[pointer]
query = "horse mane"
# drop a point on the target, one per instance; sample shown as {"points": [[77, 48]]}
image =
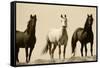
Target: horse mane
{"points": [[28, 27], [86, 28]]}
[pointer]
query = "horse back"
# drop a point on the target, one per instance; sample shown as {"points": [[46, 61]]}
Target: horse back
{"points": [[54, 35], [84, 36], [58, 35], [77, 34]]}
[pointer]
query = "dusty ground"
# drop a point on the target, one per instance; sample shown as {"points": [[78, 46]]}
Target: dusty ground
{"points": [[72, 59]]}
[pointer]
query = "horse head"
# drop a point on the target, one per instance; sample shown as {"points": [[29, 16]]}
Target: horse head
{"points": [[64, 20], [31, 24], [89, 22]]}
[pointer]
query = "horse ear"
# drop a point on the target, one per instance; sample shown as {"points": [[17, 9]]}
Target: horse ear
{"points": [[35, 15], [91, 15], [65, 15], [61, 16], [31, 16], [88, 15]]}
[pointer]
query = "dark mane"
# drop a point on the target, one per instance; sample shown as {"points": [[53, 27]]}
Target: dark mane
{"points": [[88, 26], [26, 39], [31, 30], [84, 35]]}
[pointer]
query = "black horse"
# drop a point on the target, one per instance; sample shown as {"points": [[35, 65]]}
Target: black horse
{"points": [[26, 39], [84, 35]]}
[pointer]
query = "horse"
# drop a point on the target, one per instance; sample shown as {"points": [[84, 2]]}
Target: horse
{"points": [[84, 36], [57, 37], [26, 39]]}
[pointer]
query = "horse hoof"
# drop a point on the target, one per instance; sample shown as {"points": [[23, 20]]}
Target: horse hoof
{"points": [[73, 54], [52, 60], [63, 59], [27, 61], [17, 61]]}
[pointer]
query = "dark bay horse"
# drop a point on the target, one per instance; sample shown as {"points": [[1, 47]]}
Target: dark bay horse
{"points": [[26, 39], [57, 37], [84, 35]]}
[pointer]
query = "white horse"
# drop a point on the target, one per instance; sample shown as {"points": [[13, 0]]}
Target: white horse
{"points": [[57, 37]]}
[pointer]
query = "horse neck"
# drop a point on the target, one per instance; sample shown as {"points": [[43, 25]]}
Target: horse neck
{"points": [[31, 33], [63, 31], [88, 29]]}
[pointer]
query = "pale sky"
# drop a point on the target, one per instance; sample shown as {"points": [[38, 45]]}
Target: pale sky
{"points": [[48, 17]]}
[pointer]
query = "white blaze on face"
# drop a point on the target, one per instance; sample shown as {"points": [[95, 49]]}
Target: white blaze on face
{"points": [[64, 21]]}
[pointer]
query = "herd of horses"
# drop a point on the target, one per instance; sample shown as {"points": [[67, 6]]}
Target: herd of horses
{"points": [[55, 37]]}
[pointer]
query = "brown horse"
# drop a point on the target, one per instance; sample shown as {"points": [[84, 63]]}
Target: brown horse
{"points": [[26, 39], [84, 35]]}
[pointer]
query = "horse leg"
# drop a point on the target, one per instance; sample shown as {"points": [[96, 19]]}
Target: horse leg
{"points": [[31, 49], [82, 50], [17, 51], [50, 50], [64, 51], [85, 50], [54, 47], [91, 48], [26, 49], [59, 51]]}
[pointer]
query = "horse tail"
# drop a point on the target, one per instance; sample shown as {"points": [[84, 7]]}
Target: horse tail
{"points": [[45, 50], [73, 41]]}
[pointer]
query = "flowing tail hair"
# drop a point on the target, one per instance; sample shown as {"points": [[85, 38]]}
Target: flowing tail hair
{"points": [[45, 50], [73, 42]]}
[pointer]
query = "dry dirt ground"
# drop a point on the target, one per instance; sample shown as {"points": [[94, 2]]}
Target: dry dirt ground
{"points": [[72, 59]]}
